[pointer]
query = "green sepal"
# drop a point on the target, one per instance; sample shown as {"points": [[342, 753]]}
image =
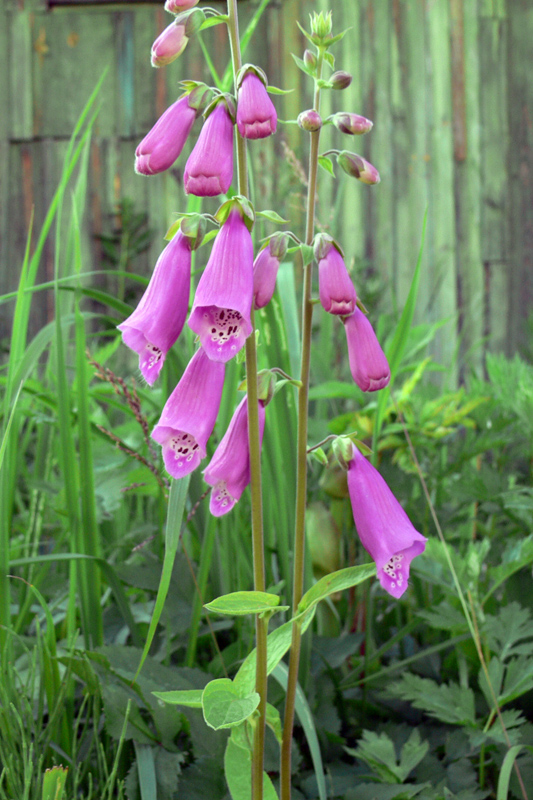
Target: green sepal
{"points": [[277, 90], [192, 698], [246, 209], [223, 705], [238, 604], [319, 455]]}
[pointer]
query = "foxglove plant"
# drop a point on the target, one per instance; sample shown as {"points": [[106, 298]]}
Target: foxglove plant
{"points": [[230, 289]]}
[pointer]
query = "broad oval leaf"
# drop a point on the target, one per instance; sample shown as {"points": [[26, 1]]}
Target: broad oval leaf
{"points": [[223, 705], [181, 697], [335, 582]]}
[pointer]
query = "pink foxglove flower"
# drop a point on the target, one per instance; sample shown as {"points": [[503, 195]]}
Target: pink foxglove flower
{"points": [[228, 471], [335, 287], [176, 6], [160, 316], [163, 144], [209, 168], [384, 528], [189, 415], [256, 115], [220, 313], [368, 363], [169, 45], [266, 267]]}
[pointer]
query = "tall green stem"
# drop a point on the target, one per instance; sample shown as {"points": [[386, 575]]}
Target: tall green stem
{"points": [[301, 459], [255, 463]]}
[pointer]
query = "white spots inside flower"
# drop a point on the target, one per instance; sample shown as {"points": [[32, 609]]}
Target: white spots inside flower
{"points": [[224, 324], [393, 568], [154, 355], [222, 495], [184, 446]]}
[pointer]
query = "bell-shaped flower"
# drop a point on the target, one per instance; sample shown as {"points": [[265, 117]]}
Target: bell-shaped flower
{"points": [[220, 314], [160, 316], [335, 287], [163, 144], [256, 114], [368, 363], [169, 44], [189, 415], [228, 471], [209, 168], [384, 528], [266, 267]]}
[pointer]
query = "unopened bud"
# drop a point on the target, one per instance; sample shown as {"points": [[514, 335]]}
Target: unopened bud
{"points": [[309, 59], [321, 24], [340, 80], [322, 245], [310, 120], [176, 6], [266, 385], [279, 243], [343, 451], [352, 123], [358, 167], [193, 20]]}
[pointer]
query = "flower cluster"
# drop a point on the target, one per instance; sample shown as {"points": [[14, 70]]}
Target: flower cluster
{"points": [[233, 284]]}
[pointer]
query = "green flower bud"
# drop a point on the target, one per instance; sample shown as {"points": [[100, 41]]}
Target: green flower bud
{"points": [[340, 80], [310, 120]]}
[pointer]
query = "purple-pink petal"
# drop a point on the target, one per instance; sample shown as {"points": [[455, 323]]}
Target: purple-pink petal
{"points": [[256, 114], [163, 144], [228, 471], [158, 320], [384, 528], [209, 168], [220, 314], [265, 273], [368, 363], [335, 287], [169, 45], [189, 415]]}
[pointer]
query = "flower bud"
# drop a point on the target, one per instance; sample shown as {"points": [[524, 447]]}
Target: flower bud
{"points": [[309, 59], [192, 20], [343, 451], [266, 386], [340, 80], [169, 45], [358, 167], [324, 539], [266, 267], [176, 6], [321, 24], [352, 123], [310, 120]]}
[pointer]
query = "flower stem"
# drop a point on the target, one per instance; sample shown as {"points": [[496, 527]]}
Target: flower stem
{"points": [[255, 462], [301, 458]]}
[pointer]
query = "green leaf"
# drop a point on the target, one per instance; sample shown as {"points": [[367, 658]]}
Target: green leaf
{"points": [[326, 164], [192, 698], [210, 22], [301, 65], [238, 770], [223, 705], [272, 216], [240, 603], [273, 720], [507, 767], [278, 642], [335, 582], [277, 90], [448, 702], [54, 782], [307, 253], [146, 771], [176, 507]]}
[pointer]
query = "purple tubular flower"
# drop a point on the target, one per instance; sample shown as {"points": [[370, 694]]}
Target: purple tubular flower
{"points": [[266, 268], [368, 363], [176, 6], [256, 115], [189, 415], [160, 316], [169, 45], [220, 314], [335, 288], [209, 168], [163, 144], [228, 471], [384, 528]]}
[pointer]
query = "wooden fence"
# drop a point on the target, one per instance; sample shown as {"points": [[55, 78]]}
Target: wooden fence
{"points": [[447, 83]]}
